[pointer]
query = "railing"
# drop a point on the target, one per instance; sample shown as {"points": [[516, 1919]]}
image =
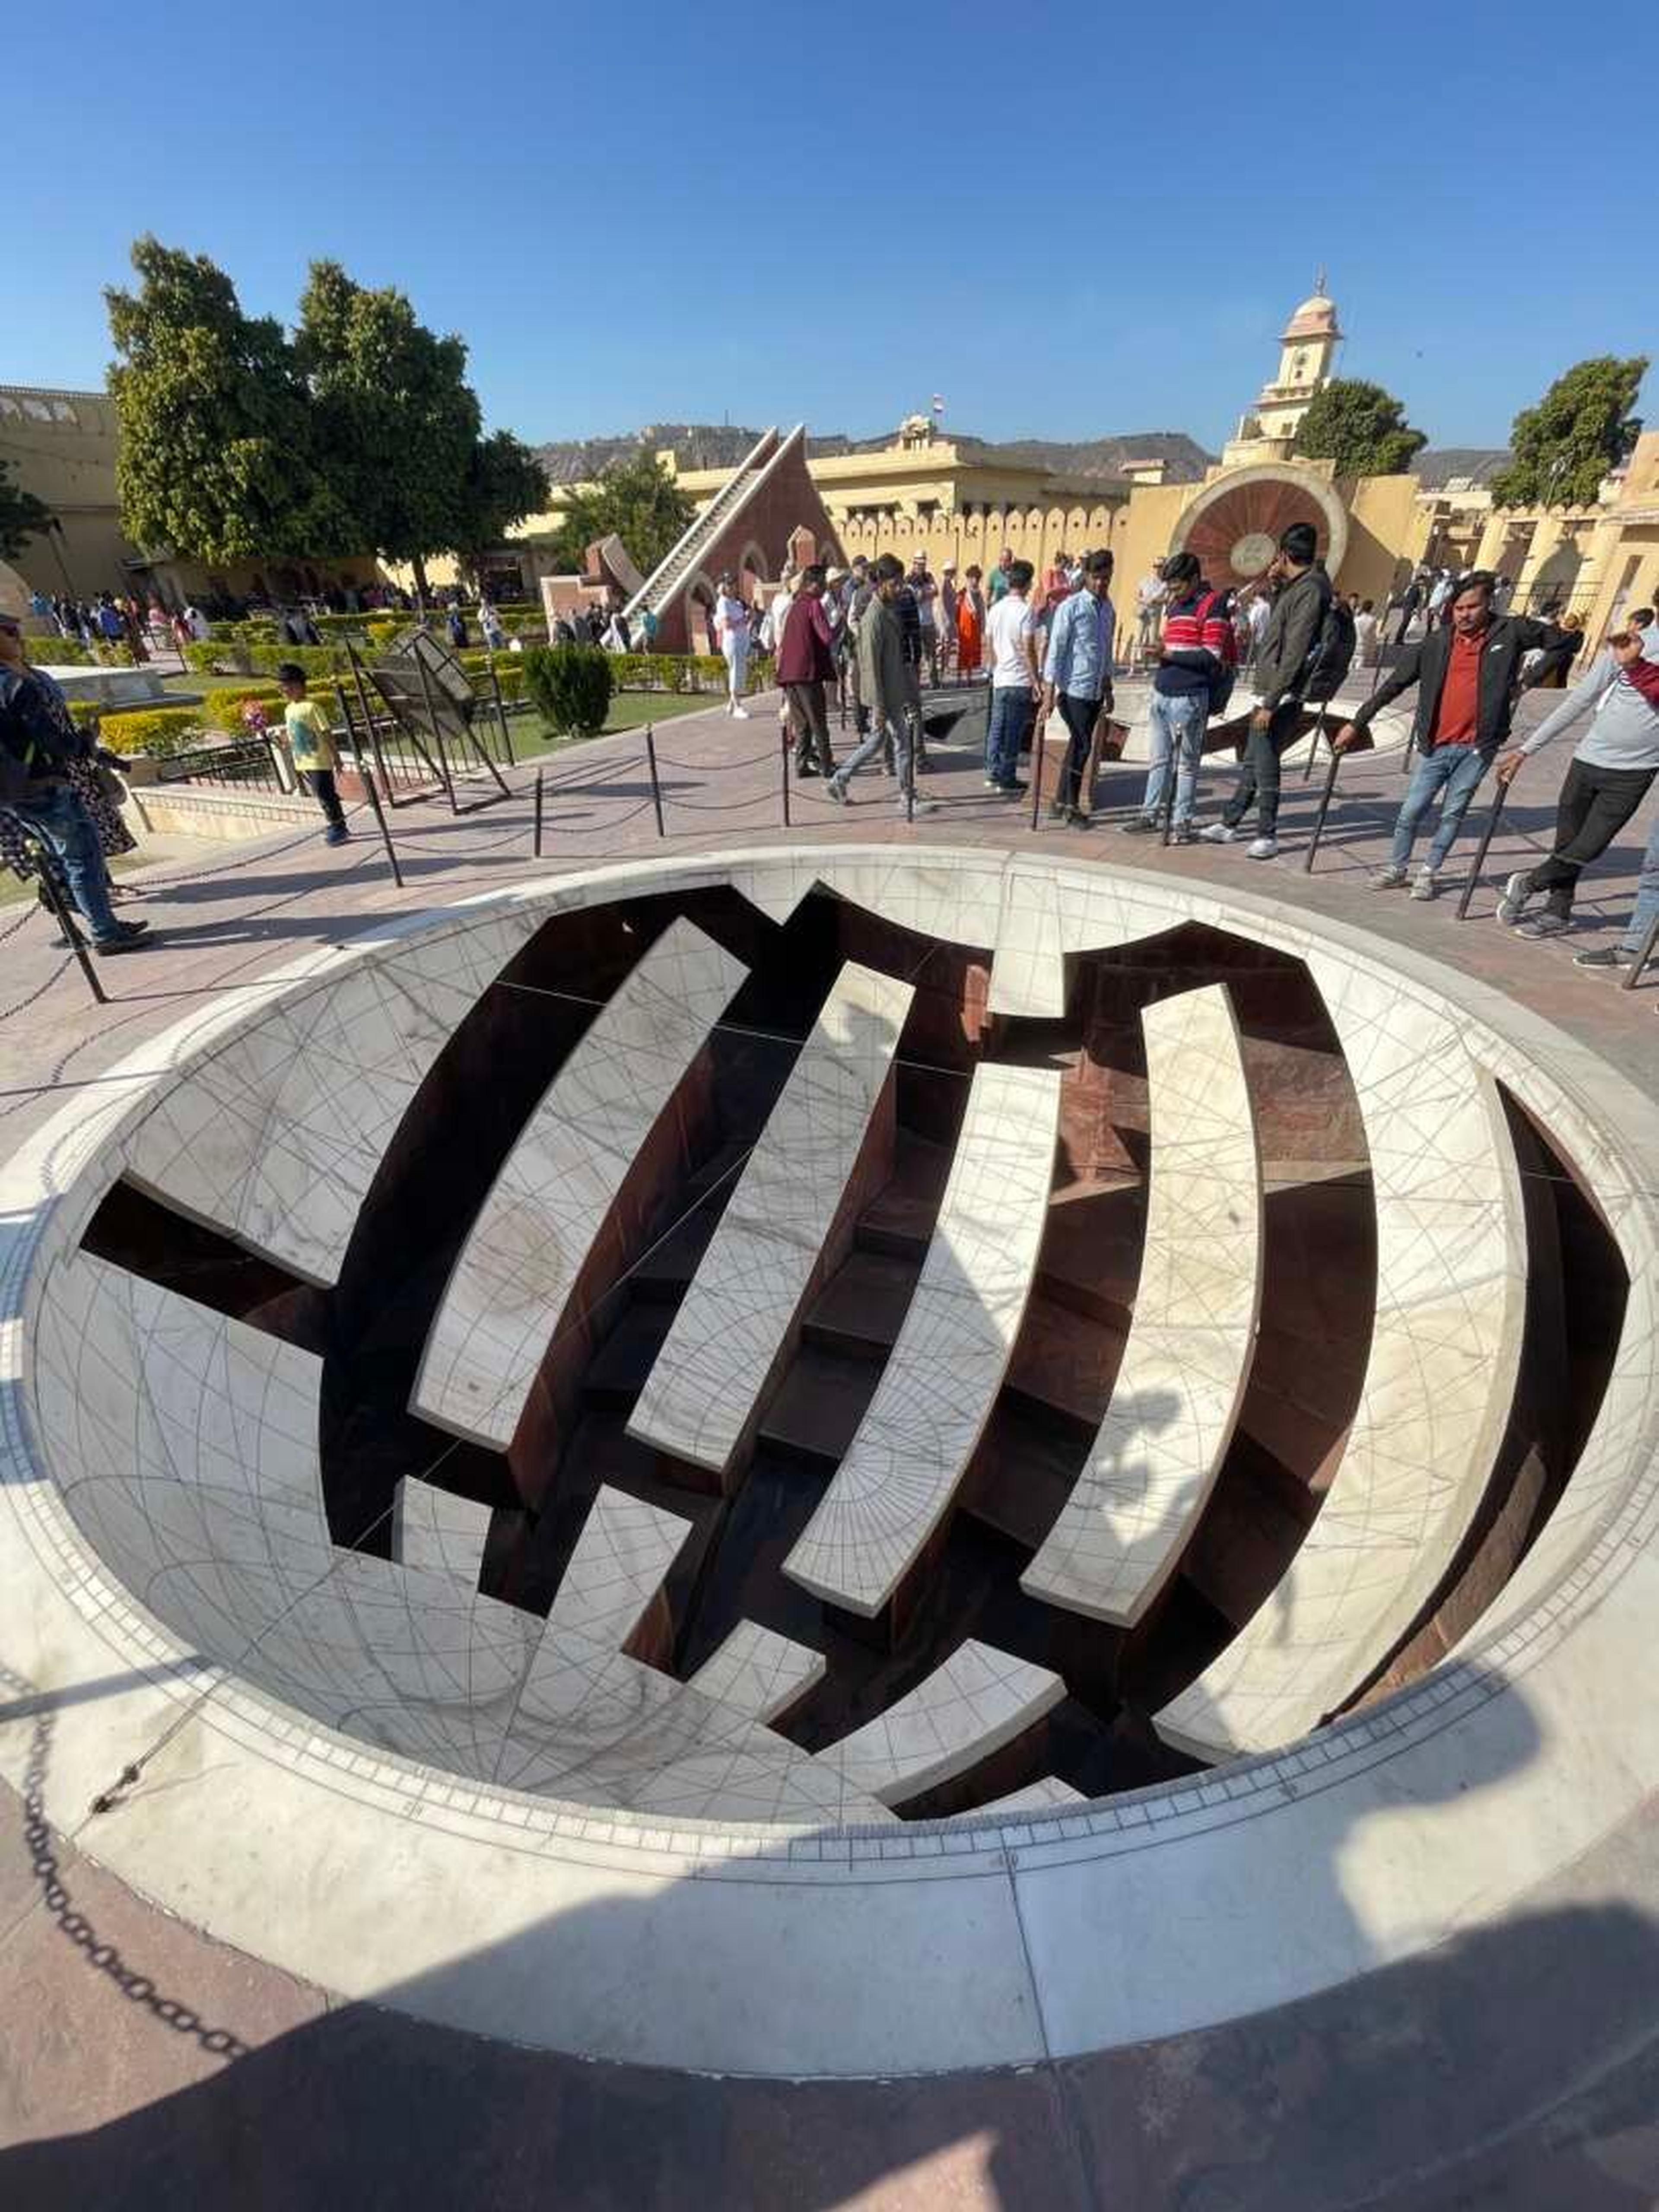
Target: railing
{"points": [[666, 569]]}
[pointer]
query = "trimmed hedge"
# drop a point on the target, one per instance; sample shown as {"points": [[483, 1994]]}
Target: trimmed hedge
{"points": [[59, 652], [157, 731], [571, 686], [222, 709]]}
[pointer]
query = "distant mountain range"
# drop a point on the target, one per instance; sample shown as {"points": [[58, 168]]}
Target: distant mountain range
{"points": [[721, 446]]}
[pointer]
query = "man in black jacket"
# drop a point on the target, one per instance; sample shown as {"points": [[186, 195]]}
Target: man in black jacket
{"points": [[37, 737], [1283, 668], [1468, 674]]}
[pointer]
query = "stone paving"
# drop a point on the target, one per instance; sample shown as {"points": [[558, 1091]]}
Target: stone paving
{"points": [[237, 912], [140, 2064]]}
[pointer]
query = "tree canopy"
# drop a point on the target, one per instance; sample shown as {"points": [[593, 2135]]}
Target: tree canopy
{"points": [[1359, 426], [1562, 449], [217, 455], [639, 501], [358, 433], [22, 515]]}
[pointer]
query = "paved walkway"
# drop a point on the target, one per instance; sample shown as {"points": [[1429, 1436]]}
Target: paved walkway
{"points": [[235, 912]]}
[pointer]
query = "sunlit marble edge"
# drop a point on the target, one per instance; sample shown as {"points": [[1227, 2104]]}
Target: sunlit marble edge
{"points": [[1153, 1354], [703, 1384], [889, 1437]]}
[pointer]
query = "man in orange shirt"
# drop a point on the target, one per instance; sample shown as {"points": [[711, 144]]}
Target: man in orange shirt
{"points": [[1468, 672]]}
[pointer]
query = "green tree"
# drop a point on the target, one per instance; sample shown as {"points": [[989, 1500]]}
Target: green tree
{"points": [[216, 452], [395, 416], [22, 515], [1360, 427], [1582, 427], [639, 501], [505, 481]]}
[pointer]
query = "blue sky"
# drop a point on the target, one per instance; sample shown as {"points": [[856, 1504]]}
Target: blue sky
{"points": [[1068, 220]]}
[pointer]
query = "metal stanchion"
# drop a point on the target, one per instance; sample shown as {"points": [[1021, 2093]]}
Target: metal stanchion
{"points": [[535, 844], [437, 733], [1501, 794], [1634, 974], [1167, 809], [66, 922], [783, 752], [1312, 742], [365, 777], [1324, 809], [1039, 751], [910, 772], [656, 786], [500, 715]]}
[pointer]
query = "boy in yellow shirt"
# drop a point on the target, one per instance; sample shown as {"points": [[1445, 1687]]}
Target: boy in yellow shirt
{"points": [[311, 744]]}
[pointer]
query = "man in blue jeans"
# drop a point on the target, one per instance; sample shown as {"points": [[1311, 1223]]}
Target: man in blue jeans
{"points": [[1467, 673], [36, 737], [1077, 678], [1015, 686]]}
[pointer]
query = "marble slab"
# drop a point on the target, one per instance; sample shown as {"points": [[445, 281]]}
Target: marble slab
{"points": [[507, 1292], [758, 1672], [912, 1449], [435, 1529], [727, 1337], [978, 1700], [1157, 1452], [1439, 1383], [276, 1133]]}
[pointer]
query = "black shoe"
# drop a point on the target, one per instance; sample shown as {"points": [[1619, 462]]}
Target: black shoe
{"points": [[1605, 955], [129, 936], [1141, 825], [1013, 790], [1077, 819]]}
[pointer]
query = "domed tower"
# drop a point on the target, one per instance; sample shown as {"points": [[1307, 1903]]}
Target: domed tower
{"points": [[1306, 359]]}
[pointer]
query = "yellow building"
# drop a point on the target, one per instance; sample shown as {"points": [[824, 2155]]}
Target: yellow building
{"points": [[1306, 360], [61, 446]]}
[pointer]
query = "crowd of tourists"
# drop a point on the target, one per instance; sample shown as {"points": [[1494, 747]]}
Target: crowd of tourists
{"points": [[876, 631]]}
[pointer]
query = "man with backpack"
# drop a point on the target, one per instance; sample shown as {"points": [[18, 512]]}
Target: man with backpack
{"points": [[1194, 681], [1468, 674], [1301, 657]]}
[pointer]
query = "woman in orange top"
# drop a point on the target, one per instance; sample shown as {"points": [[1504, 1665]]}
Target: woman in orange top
{"points": [[970, 623]]}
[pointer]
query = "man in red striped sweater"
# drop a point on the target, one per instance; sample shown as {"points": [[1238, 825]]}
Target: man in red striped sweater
{"points": [[1197, 649]]}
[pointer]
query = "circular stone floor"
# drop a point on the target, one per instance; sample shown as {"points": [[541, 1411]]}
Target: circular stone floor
{"points": [[320, 1732]]}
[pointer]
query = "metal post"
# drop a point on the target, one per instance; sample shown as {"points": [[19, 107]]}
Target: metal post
{"points": [[1313, 741], [910, 771], [1039, 751], [365, 777], [66, 922], [1634, 974], [783, 744], [1324, 809], [536, 845], [432, 723], [656, 786], [501, 713], [1481, 852], [369, 718]]}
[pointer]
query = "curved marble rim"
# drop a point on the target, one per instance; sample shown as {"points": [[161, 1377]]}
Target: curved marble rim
{"points": [[291, 1784]]}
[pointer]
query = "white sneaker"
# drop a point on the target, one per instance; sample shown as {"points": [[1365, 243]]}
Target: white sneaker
{"points": [[740, 714], [1265, 849], [922, 805], [1390, 878], [1427, 885], [1219, 833], [1517, 895]]}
